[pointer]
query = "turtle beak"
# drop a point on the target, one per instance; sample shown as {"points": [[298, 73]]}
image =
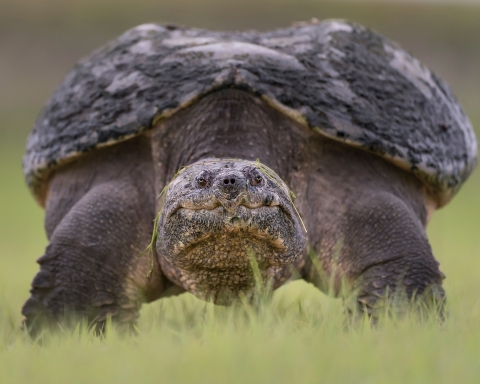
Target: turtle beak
{"points": [[231, 188]]}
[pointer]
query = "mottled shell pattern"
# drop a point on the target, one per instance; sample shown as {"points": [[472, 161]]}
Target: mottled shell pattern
{"points": [[338, 78]]}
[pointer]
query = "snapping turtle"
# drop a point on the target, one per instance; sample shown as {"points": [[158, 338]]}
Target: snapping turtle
{"points": [[367, 137]]}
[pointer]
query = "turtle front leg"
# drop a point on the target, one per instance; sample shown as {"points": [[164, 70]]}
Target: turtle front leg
{"points": [[388, 256], [99, 220], [366, 227], [378, 254]]}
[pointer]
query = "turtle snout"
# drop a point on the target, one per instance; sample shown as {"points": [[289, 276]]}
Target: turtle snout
{"points": [[230, 185], [230, 189]]}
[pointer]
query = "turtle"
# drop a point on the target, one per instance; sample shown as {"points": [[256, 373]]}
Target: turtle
{"points": [[317, 151]]}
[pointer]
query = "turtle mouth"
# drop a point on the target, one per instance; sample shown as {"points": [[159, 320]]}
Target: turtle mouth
{"points": [[269, 202]]}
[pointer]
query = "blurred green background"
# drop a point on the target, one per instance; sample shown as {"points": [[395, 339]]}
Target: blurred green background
{"points": [[40, 41]]}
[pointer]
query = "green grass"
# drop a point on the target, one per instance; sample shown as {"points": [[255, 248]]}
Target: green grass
{"points": [[301, 336], [188, 341]]}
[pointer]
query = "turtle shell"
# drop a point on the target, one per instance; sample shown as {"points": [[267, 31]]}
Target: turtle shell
{"points": [[338, 78]]}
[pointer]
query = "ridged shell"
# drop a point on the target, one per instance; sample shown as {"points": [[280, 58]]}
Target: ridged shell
{"points": [[338, 78]]}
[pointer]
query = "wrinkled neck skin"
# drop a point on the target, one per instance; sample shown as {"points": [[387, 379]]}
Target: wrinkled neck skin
{"points": [[223, 218]]}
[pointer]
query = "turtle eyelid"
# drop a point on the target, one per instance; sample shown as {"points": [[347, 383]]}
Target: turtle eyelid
{"points": [[203, 180], [254, 176], [249, 170]]}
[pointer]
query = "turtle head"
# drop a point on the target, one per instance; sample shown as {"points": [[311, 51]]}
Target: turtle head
{"points": [[223, 218]]}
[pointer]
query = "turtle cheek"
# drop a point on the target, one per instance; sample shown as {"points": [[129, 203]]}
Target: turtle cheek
{"points": [[193, 200], [257, 197], [173, 233], [184, 228], [273, 200], [279, 226]]}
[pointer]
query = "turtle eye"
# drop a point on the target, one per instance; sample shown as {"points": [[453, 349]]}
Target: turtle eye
{"points": [[255, 179], [203, 180]]}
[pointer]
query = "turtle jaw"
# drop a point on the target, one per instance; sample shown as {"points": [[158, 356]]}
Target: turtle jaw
{"points": [[212, 251], [187, 231]]}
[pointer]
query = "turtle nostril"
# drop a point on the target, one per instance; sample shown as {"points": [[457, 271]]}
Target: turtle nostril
{"points": [[230, 182], [230, 185]]}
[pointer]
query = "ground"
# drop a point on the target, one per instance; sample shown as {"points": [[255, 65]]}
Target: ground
{"points": [[302, 336]]}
